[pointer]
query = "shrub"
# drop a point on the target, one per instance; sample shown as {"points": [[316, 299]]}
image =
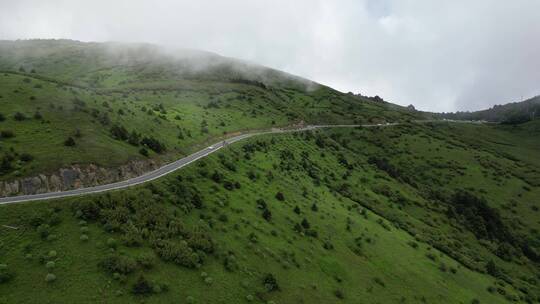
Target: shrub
{"points": [[19, 116], [339, 294], [228, 185], [84, 238], [111, 243], [305, 224], [43, 230], [314, 207], [52, 254], [118, 263], [153, 144], [25, 157], [38, 115], [134, 138], [2, 117], [230, 263], [280, 196], [146, 260], [70, 142], [143, 152], [142, 287], [270, 282], [179, 253], [5, 164], [87, 210], [119, 132], [5, 274], [267, 215], [50, 265], [50, 277], [7, 134], [493, 270]]}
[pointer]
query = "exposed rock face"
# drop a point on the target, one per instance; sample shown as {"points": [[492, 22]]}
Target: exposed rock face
{"points": [[75, 177]]}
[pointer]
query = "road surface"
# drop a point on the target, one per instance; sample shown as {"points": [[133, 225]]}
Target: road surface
{"points": [[166, 169]]}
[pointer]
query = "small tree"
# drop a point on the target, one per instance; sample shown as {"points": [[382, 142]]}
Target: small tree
{"points": [[142, 287], [70, 142], [5, 274], [267, 215], [19, 116], [270, 282], [280, 196], [7, 134], [492, 269], [305, 224], [143, 152]]}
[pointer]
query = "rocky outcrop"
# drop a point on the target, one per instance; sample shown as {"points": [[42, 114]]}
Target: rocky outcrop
{"points": [[75, 177]]}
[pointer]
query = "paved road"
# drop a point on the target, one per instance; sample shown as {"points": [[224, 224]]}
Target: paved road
{"points": [[166, 169]]}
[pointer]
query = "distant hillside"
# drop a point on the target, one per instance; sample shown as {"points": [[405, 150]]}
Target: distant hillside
{"points": [[511, 113]]}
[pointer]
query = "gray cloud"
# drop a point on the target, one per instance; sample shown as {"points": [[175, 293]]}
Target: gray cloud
{"points": [[437, 55]]}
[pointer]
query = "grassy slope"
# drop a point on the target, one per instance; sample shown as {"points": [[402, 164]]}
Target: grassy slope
{"points": [[373, 261], [73, 85]]}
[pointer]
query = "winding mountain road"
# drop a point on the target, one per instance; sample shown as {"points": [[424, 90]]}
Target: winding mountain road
{"points": [[168, 168]]}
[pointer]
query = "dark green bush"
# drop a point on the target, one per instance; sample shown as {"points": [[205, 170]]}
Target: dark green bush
{"points": [[118, 263], [143, 152], [25, 157], [153, 144], [70, 142], [270, 282], [142, 287], [5, 274], [7, 134], [146, 260], [19, 116]]}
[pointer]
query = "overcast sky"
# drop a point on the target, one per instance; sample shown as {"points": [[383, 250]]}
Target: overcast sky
{"points": [[438, 55]]}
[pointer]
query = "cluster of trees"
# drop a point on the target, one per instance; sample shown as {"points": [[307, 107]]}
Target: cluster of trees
{"points": [[254, 146], [141, 221], [484, 221], [10, 157], [179, 253], [134, 138]]}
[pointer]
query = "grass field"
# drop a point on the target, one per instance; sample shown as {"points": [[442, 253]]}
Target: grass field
{"points": [[334, 216]]}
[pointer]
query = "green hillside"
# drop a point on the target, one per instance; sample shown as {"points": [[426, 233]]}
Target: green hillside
{"points": [[408, 214], [419, 212], [109, 97]]}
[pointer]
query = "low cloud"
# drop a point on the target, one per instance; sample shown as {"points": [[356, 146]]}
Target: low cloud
{"points": [[440, 56]]}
